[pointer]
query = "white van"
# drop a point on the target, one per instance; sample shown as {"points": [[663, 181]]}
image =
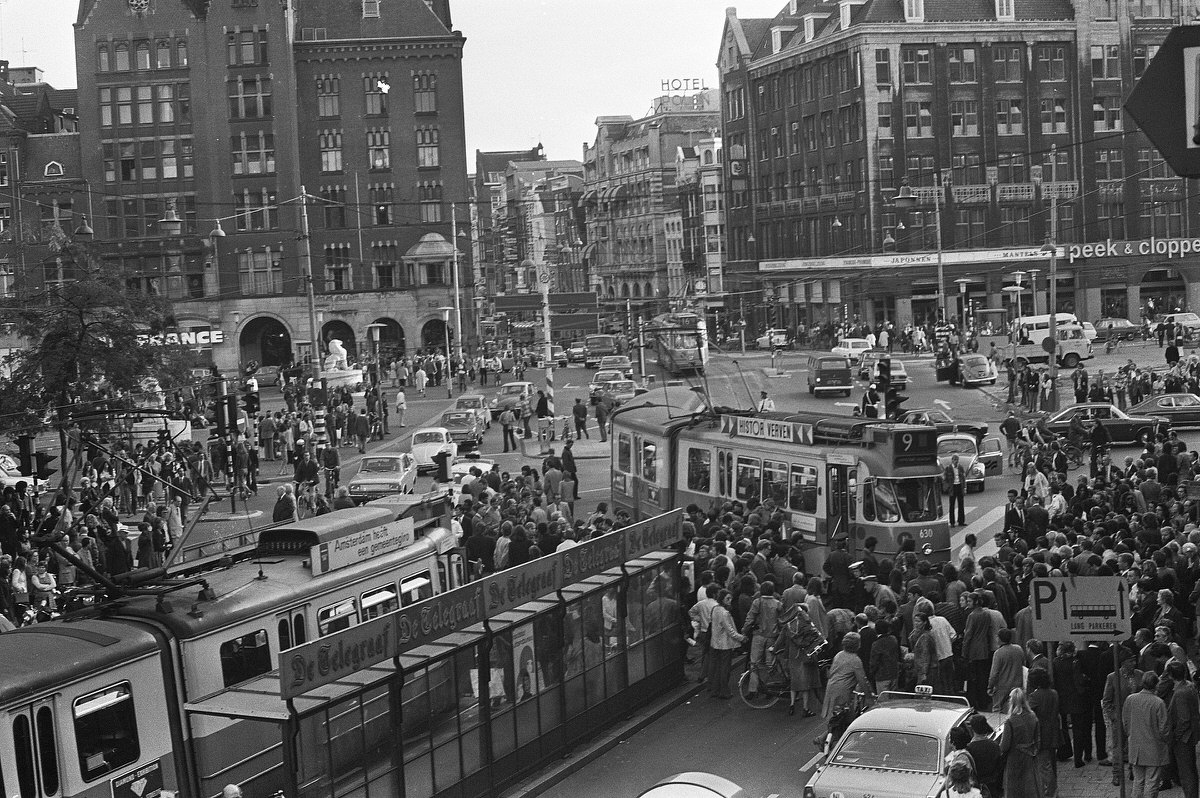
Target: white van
{"points": [[1034, 329], [1029, 333]]}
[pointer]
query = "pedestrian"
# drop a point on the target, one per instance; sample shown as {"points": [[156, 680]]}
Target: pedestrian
{"points": [[1008, 670], [1147, 733], [954, 482], [986, 753], [602, 419], [976, 651], [765, 403], [362, 429], [579, 413], [1019, 743], [420, 380], [401, 406], [508, 420], [1183, 716], [797, 637], [846, 676], [761, 627], [1043, 700], [700, 615]]}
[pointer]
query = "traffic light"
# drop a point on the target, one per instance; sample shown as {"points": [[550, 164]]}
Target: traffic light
{"points": [[25, 447], [44, 459], [250, 402], [885, 374], [893, 401]]}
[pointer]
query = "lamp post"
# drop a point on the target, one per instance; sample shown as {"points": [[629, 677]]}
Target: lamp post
{"points": [[1051, 249], [905, 200], [373, 335], [1015, 290], [962, 283], [457, 292], [446, 310], [1033, 302]]}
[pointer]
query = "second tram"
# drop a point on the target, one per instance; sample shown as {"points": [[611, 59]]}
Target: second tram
{"points": [[680, 342], [834, 477]]}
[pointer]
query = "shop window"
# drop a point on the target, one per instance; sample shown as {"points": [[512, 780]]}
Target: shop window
{"points": [[106, 733], [245, 657]]}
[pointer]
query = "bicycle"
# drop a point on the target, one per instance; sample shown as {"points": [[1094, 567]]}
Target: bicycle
{"points": [[306, 499], [773, 679]]}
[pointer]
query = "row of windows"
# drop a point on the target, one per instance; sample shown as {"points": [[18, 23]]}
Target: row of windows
{"points": [[162, 103], [142, 55], [383, 213], [385, 270], [137, 217], [376, 90], [378, 149], [148, 159]]}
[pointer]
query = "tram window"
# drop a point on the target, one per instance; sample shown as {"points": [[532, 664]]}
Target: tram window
{"points": [[749, 472], [699, 470], [775, 482], [650, 461], [23, 743], [47, 750], [852, 485], [337, 617], [379, 602], [299, 630], [416, 588], [868, 500], [722, 479], [803, 496], [285, 633], [245, 657], [624, 453], [106, 731]]}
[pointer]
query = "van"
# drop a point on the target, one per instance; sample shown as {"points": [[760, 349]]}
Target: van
{"points": [[1034, 329], [829, 374]]}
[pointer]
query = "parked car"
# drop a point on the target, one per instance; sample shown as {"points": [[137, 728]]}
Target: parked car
{"points": [[620, 363], [511, 394], [1122, 427], [10, 472], [476, 403], [966, 446], [771, 339], [464, 427], [896, 748], [1189, 321], [851, 348], [557, 352], [1120, 329], [427, 442], [1182, 409], [932, 417], [382, 475]]}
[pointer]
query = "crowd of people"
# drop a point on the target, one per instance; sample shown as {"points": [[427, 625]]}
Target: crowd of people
{"points": [[966, 627]]}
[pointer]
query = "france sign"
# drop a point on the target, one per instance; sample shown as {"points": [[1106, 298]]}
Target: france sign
{"points": [[1081, 608], [1165, 102]]}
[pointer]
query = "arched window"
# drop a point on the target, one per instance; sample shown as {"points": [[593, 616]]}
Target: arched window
{"points": [[143, 55], [104, 65], [625, 289], [121, 51], [163, 52], [54, 169], [637, 290], [708, 156], [648, 291]]}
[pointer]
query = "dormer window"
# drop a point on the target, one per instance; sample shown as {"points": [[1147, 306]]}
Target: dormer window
{"points": [[844, 8], [54, 169], [914, 10], [792, 7], [1005, 11], [810, 28], [370, 9]]}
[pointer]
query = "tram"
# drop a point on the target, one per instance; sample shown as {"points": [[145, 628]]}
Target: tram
{"points": [[835, 477], [116, 700], [680, 342]]}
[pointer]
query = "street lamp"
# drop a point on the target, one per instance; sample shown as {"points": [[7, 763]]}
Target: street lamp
{"points": [[1051, 249], [373, 334], [905, 200], [1033, 302], [962, 283], [1015, 290], [446, 311]]}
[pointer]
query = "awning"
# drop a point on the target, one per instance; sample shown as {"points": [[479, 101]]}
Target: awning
{"points": [[589, 249], [588, 196], [619, 191]]}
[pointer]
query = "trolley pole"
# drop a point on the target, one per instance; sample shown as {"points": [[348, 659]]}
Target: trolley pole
{"points": [[642, 348], [543, 269]]}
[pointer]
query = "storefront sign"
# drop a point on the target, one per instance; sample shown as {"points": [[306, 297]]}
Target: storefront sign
{"points": [[320, 662], [1168, 247], [360, 546], [900, 259], [200, 337], [767, 429]]}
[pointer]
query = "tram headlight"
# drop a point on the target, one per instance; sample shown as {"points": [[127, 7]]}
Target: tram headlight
{"points": [[927, 549]]}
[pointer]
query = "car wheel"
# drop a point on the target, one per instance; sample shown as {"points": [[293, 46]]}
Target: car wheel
{"points": [[1142, 434], [1071, 360]]}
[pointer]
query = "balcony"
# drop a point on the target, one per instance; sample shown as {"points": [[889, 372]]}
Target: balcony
{"points": [[1111, 190], [1062, 190], [1016, 192], [846, 199], [1161, 188], [972, 195]]}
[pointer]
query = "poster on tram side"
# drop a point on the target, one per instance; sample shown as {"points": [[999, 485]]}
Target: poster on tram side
{"points": [[525, 670]]}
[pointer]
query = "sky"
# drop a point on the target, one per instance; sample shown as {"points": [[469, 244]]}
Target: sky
{"points": [[534, 70]]}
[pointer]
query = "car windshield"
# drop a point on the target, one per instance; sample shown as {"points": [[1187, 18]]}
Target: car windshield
{"points": [[470, 404], [512, 390], [621, 386], [379, 465], [974, 360], [938, 417], [832, 365], [428, 437], [912, 499], [458, 418], [956, 446], [1187, 400], [891, 750], [605, 376]]}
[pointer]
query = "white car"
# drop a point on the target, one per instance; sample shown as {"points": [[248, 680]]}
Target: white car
{"points": [[771, 339], [461, 468], [1089, 330], [427, 442], [382, 475], [477, 403], [851, 348]]}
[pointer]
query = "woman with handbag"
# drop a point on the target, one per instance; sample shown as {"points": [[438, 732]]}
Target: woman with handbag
{"points": [[799, 638], [724, 640], [846, 677], [1020, 740]]}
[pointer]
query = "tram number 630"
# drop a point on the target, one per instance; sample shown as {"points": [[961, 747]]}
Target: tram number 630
{"points": [[924, 533]]}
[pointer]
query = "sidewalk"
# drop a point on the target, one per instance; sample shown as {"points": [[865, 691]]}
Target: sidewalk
{"points": [[1091, 781]]}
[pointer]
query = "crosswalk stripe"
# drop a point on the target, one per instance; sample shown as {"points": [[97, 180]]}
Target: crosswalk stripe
{"points": [[982, 529]]}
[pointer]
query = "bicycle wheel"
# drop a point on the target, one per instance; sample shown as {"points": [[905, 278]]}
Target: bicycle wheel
{"points": [[1074, 456], [762, 699]]}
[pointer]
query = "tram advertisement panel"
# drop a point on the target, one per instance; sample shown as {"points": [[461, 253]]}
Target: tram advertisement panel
{"points": [[320, 662]]}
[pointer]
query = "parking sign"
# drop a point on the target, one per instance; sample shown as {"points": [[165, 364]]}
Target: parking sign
{"points": [[1080, 608]]}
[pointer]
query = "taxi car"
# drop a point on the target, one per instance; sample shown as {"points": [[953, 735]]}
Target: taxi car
{"points": [[511, 395], [382, 475], [966, 446], [464, 427], [476, 403], [896, 749]]}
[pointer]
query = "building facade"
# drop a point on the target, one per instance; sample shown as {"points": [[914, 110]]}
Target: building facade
{"points": [[292, 141], [629, 179], [1004, 122], [699, 189]]}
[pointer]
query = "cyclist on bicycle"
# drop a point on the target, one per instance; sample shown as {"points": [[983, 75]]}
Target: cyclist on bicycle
{"points": [[331, 464], [1077, 433], [306, 478], [1041, 433]]}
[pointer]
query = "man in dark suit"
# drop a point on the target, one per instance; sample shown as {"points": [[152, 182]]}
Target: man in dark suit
{"points": [[837, 565], [1183, 715], [1144, 719], [954, 482], [1014, 515]]}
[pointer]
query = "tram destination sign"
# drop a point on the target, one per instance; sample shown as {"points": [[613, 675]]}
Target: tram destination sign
{"points": [[339, 655], [767, 429], [1080, 608]]}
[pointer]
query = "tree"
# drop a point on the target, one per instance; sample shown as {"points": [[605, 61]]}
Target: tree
{"points": [[85, 346]]}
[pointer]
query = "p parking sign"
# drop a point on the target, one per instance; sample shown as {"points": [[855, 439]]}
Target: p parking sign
{"points": [[1080, 608]]}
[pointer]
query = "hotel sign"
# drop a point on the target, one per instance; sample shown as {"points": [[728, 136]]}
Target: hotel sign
{"points": [[767, 429]]}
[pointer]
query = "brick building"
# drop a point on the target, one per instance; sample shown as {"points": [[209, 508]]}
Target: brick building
{"points": [[992, 111], [232, 114]]}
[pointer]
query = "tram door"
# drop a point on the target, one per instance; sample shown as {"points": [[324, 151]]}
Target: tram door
{"points": [[36, 751], [839, 504]]}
